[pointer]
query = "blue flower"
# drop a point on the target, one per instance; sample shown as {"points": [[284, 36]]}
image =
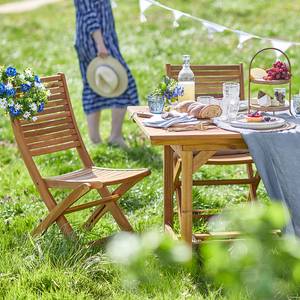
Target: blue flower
{"points": [[2, 89], [14, 112], [41, 107], [37, 79], [25, 87], [11, 72], [10, 92]]}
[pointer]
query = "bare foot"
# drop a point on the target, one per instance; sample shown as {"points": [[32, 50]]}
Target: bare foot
{"points": [[96, 141], [119, 142]]}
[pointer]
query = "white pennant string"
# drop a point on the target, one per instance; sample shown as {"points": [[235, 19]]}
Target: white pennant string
{"points": [[243, 37], [282, 45], [114, 4], [212, 28], [144, 5], [177, 15]]}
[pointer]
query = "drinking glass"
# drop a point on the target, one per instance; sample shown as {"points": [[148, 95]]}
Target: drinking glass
{"points": [[233, 109], [230, 101], [296, 105], [206, 99], [231, 89], [156, 104]]}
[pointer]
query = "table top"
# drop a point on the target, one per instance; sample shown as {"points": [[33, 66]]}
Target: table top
{"points": [[216, 136]]}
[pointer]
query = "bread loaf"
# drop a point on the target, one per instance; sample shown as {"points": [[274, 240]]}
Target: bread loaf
{"points": [[196, 110], [209, 111], [182, 107], [192, 106]]}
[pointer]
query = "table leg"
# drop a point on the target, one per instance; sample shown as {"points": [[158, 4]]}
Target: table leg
{"points": [[168, 186], [186, 196]]}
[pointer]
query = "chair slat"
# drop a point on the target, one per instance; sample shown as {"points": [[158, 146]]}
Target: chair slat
{"points": [[47, 117], [48, 130], [46, 124], [56, 90], [53, 149], [53, 142], [51, 78], [52, 98], [207, 67], [47, 137], [56, 109]]}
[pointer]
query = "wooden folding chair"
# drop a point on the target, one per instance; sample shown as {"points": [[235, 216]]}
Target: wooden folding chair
{"points": [[209, 81], [56, 130]]}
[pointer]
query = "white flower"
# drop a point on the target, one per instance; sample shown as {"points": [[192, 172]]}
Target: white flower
{"points": [[38, 85], [11, 103], [9, 86], [33, 106], [28, 73], [34, 119], [26, 115], [18, 106], [22, 77], [48, 93], [3, 103]]}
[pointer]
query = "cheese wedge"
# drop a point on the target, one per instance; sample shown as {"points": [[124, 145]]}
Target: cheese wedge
{"points": [[258, 73]]}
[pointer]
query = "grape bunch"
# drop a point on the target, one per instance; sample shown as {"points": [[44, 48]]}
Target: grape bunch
{"points": [[279, 71]]}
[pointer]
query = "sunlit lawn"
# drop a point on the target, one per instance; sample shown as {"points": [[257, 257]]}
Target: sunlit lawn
{"points": [[43, 39]]}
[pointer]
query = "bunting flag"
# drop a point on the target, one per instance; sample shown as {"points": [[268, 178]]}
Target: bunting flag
{"points": [[243, 37], [177, 15], [282, 45], [215, 28], [114, 4], [144, 5]]}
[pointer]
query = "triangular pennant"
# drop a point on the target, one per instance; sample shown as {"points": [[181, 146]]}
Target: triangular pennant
{"points": [[144, 5], [281, 45], [113, 4], [243, 37], [177, 15], [213, 27]]}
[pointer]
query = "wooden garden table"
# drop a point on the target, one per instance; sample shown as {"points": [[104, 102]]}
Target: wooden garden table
{"points": [[194, 148]]}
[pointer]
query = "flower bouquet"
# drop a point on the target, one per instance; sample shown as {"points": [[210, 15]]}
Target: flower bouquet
{"points": [[22, 95], [169, 89]]}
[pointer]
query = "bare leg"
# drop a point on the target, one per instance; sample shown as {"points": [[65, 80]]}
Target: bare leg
{"points": [[116, 137], [93, 127]]}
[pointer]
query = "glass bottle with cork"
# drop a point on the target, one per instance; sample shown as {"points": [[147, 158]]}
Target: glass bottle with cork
{"points": [[186, 79]]}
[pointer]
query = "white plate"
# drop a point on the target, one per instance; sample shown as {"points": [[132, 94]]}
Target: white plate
{"points": [[242, 123], [243, 105]]}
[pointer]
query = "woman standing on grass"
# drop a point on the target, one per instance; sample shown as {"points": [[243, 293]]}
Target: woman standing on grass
{"points": [[96, 36]]}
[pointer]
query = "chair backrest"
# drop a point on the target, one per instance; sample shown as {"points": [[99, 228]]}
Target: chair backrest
{"points": [[209, 79], [55, 129]]}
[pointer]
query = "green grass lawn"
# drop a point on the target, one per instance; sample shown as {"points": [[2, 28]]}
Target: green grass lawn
{"points": [[53, 268]]}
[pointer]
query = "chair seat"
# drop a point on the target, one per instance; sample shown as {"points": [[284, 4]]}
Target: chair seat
{"points": [[230, 159], [97, 177]]}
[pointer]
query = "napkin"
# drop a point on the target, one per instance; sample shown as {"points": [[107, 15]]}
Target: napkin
{"points": [[159, 122]]}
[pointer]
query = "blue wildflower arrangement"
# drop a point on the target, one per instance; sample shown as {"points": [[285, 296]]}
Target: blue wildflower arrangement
{"points": [[169, 89], [22, 95]]}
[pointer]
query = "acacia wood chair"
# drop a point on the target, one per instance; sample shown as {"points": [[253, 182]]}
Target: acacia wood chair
{"points": [[56, 130], [209, 81]]}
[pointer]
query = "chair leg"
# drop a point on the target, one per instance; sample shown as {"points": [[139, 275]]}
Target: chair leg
{"points": [[56, 212], [95, 217], [111, 207], [119, 217], [252, 195]]}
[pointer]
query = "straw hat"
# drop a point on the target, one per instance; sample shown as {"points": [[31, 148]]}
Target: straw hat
{"points": [[107, 77]]}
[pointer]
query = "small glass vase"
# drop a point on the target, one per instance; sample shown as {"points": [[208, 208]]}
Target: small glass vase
{"points": [[156, 104], [296, 105]]}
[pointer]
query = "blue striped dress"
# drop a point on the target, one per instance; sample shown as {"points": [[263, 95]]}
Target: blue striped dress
{"points": [[92, 15]]}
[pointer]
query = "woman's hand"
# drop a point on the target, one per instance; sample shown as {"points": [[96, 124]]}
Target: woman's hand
{"points": [[102, 51]]}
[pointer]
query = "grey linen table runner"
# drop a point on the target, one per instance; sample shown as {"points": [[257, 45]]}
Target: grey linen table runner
{"points": [[277, 158]]}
